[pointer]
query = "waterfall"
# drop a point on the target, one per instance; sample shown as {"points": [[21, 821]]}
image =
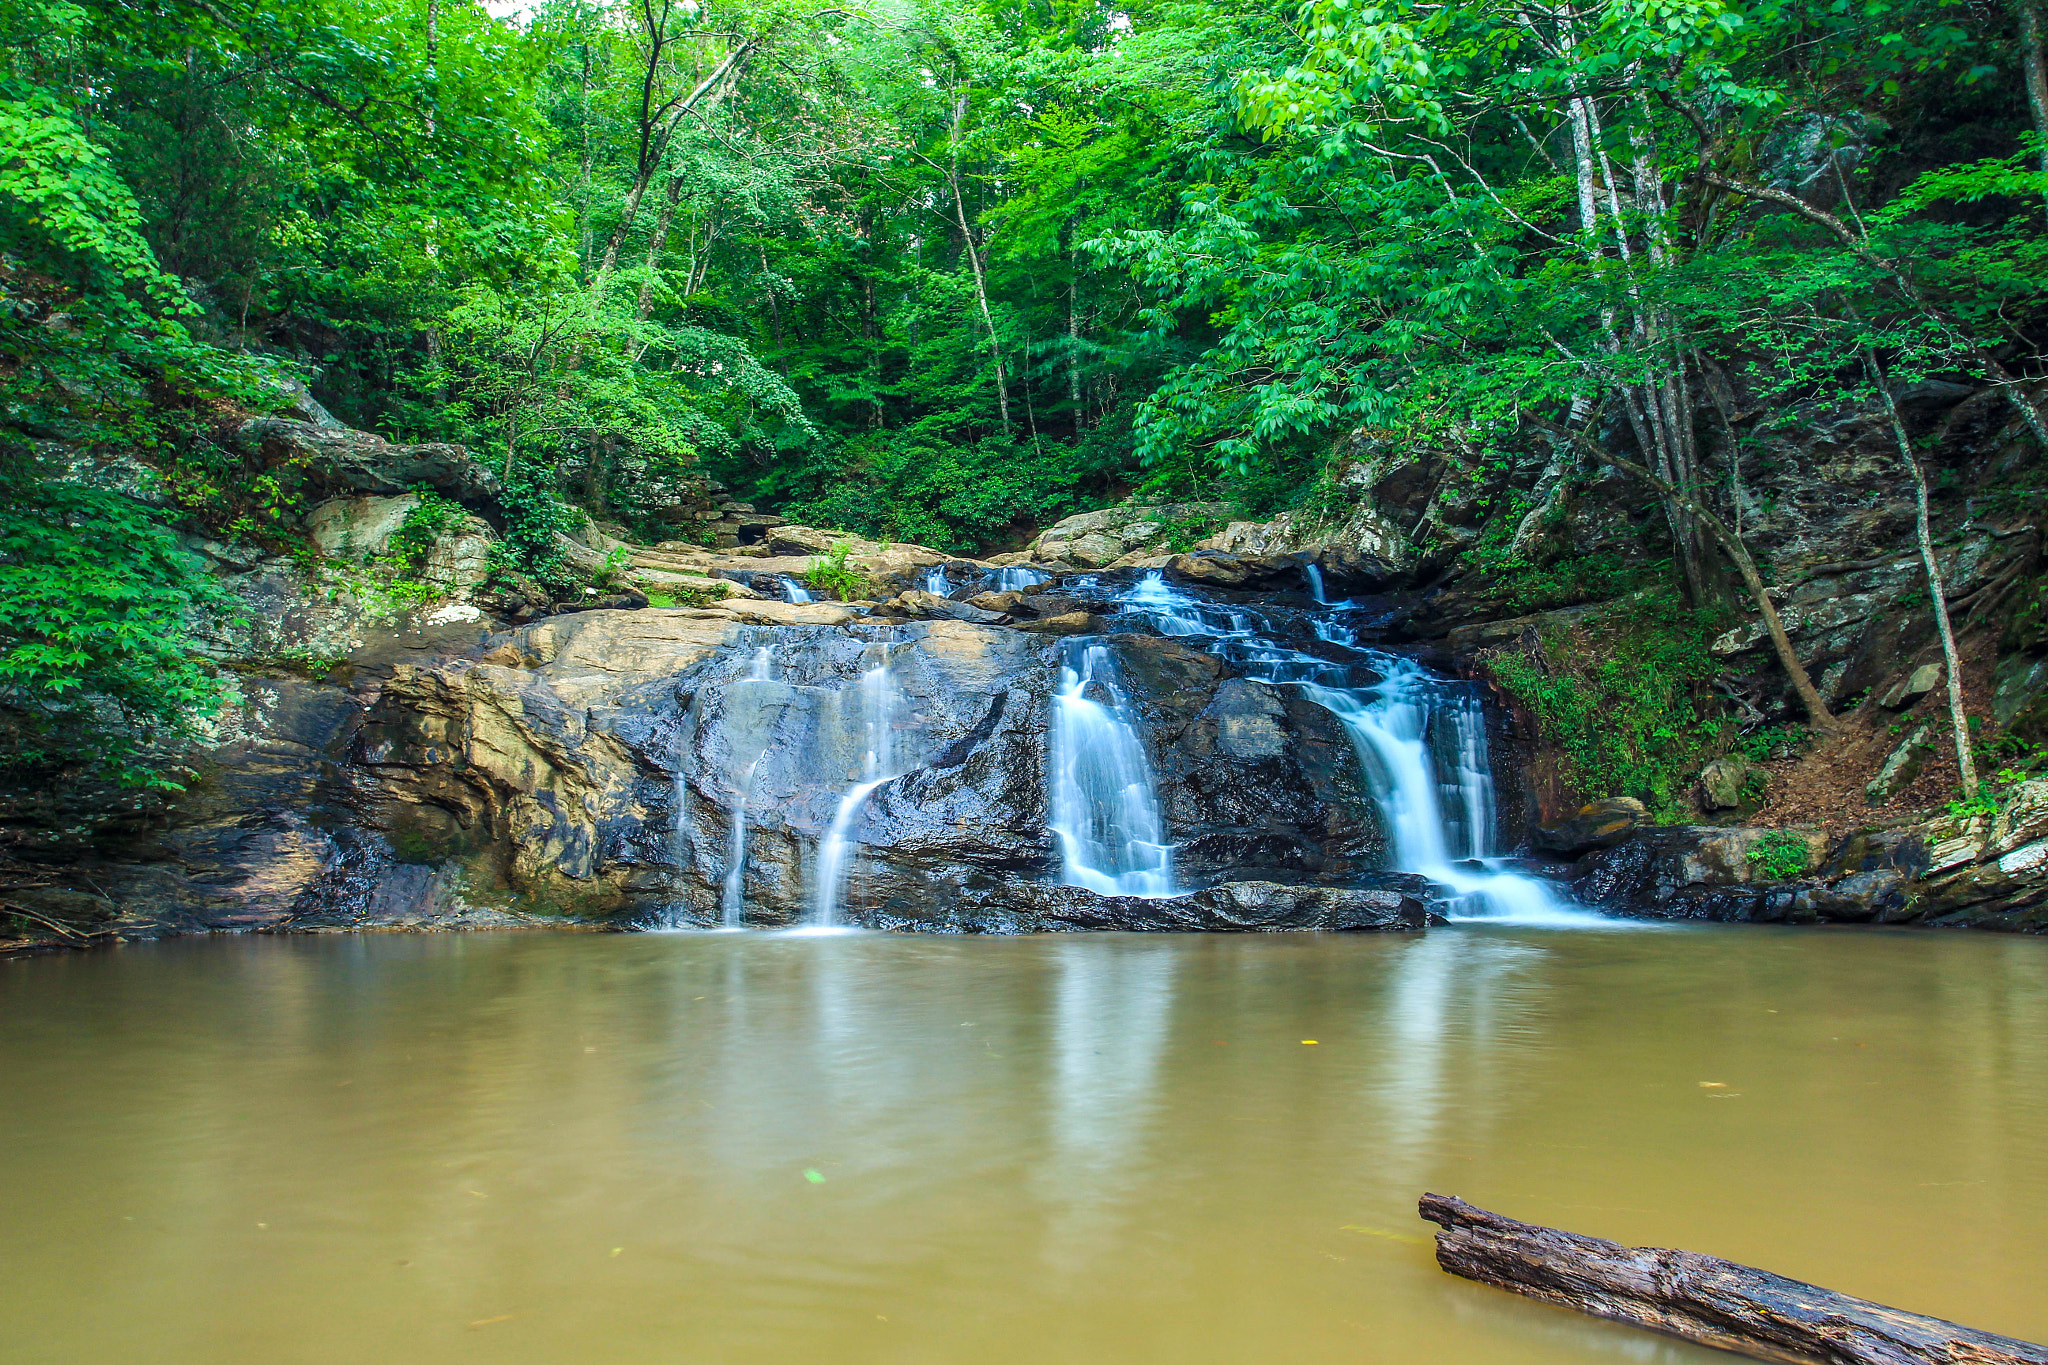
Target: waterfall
{"points": [[793, 591], [1105, 805], [877, 695], [935, 581], [1314, 573], [1420, 741], [732, 902], [1018, 577]]}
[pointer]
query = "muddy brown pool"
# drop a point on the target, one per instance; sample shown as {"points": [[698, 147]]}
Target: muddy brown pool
{"points": [[739, 1148]]}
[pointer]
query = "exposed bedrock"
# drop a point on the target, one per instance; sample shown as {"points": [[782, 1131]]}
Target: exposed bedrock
{"points": [[593, 765]]}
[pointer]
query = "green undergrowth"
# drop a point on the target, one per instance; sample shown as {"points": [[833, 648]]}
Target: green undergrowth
{"points": [[836, 575], [1624, 699], [1779, 856]]}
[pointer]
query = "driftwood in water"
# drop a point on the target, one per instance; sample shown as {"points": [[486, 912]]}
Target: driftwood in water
{"points": [[1703, 1298]]}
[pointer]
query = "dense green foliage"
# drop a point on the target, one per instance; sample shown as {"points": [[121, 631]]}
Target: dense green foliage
{"points": [[95, 646], [1625, 698], [948, 270]]}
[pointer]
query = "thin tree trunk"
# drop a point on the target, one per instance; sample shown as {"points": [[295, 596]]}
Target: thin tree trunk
{"points": [[2036, 71], [655, 245], [1074, 342], [433, 53], [974, 260], [583, 231], [658, 140], [1966, 762]]}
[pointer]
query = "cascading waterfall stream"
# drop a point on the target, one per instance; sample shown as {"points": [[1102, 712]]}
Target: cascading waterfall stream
{"points": [[1105, 804], [1420, 741], [877, 696], [732, 902], [1314, 573]]}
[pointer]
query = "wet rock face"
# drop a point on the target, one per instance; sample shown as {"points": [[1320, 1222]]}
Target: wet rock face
{"points": [[608, 773], [1598, 824], [1397, 901], [596, 764]]}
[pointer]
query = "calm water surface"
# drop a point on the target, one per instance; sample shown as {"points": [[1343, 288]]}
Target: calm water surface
{"points": [[742, 1148]]}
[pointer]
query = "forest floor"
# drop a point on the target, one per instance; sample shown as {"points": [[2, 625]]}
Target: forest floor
{"points": [[1825, 786]]}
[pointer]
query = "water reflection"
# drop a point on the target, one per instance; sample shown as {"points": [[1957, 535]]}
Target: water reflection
{"points": [[1100, 1148], [1110, 1023]]}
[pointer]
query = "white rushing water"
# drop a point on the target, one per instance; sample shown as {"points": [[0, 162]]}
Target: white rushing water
{"points": [[1018, 577], [1314, 573], [732, 902], [876, 694], [1105, 804], [1420, 740], [935, 581], [794, 591]]}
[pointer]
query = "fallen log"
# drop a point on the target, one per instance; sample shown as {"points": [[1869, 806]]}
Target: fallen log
{"points": [[1702, 1298]]}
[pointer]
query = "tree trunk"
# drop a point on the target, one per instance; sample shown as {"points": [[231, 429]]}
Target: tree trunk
{"points": [[1966, 762], [657, 140], [583, 232], [2035, 70], [1702, 1298], [974, 261], [655, 245], [1074, 343]]}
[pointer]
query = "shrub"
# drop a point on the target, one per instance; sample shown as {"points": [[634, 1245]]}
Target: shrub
{"points": [[1779, 856], [835, 576], [1623, 697]]}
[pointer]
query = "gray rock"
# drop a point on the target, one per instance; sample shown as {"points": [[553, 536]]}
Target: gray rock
{"points": [[1900, 767], [1090, 551], [1399, 902], [919, 605], [342, 461], [1879, 894], [1066, 623], [1912, 687]]}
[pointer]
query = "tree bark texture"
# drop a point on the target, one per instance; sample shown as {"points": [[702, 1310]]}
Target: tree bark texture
{"points": [[1966, 763], [2035, 68], [1702, 1298]]}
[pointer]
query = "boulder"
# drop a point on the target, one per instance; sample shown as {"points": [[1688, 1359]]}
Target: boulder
{"points": [[338, 460], [1084, 538], [919, 605], [1879, 894], [1912, 687], [360, 528], [109, 471], [2023, 816], [1900, 767], [1010, 603], [1210, 567], [1067, 623], [802, 540], [1731, 782], [1091, 551], [1598, 824]]}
